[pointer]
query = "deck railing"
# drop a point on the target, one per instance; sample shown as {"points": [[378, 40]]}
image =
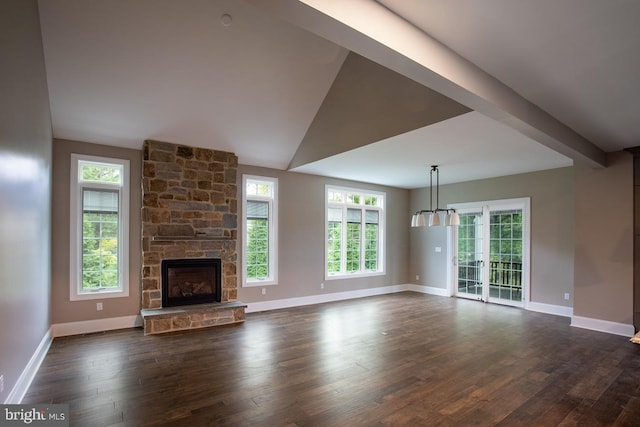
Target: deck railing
{"points": [[501, 273]]}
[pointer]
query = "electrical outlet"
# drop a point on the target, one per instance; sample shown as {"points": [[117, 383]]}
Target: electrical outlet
{"points": [[567, 296], [1, 383], [321, 285], [99, 306], [438, 249], [417, 277], [264, 291]]}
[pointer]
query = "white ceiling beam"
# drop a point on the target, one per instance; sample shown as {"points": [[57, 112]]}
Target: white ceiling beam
{"points": [[369, 29]]}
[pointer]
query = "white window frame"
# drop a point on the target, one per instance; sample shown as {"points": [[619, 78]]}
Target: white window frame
{"points": [[75, 226], [273, 229], [382, 231]]}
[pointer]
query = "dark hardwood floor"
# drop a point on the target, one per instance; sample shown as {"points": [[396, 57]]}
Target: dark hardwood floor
{"points": [[404, 359]]}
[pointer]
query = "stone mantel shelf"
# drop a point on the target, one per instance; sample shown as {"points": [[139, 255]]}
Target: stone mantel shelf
{"points": [[199, 238]]}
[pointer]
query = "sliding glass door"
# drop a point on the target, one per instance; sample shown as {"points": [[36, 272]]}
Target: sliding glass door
{"points": [[470, 256], [505, 255], [490, 250]]}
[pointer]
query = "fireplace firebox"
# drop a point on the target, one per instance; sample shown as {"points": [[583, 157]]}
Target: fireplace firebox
{"points": [[191, 281]]}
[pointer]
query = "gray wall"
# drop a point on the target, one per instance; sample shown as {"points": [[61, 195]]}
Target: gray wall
{"points": [[301, 237], [603, 265], [410, 252], [551, 194], [62, 309], [581, 235], [300, 240], [25, 188]]}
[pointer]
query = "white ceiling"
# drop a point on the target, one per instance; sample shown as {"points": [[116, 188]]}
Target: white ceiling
{"points": [[121, 71], [467, 147], [579, 60]]}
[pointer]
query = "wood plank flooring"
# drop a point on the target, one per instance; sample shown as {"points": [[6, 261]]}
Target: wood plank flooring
{"points": [[406, 359]]}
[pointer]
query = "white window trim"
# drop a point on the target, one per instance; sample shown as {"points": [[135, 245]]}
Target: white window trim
{"points": [[75, 228], [382, 239], [273, 231]]}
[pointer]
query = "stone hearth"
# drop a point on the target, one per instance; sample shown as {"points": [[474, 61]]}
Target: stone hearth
{"points": [[189, 210], [173, 319]]}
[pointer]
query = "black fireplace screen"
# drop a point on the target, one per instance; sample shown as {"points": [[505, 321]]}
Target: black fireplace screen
{"points": [[191, 281]]}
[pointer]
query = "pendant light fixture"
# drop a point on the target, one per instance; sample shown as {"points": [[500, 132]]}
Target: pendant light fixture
{"points": [[451, 216]]}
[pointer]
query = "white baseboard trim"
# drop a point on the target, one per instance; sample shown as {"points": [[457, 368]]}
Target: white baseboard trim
{"points": [[603, 326], [558, 310], [253, 307], [429, 290], [98, 325], [18, 391]]}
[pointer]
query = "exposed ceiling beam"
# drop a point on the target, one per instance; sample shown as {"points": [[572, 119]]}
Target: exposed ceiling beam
{"points": [[369, 29]]}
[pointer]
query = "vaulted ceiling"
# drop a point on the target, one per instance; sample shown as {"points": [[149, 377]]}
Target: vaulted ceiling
{"points": [[373, 91]]}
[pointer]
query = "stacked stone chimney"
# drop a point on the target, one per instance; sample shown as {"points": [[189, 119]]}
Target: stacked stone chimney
{"points": [[189, 210]]}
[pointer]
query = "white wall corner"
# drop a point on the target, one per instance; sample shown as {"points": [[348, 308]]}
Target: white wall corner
{"points": [[17, 393], [626, 330], [98, 325]]}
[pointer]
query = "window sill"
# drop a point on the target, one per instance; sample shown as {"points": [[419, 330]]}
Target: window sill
{"points": [[257, 284], [353, 275], [99, 295], [197, 237]]}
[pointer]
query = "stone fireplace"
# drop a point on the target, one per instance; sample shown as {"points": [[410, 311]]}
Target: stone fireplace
{"points": [[189, 212]]}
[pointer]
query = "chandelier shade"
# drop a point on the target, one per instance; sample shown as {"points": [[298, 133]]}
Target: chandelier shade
{"points": [[451, 217], [434, 219], [417, 220]]}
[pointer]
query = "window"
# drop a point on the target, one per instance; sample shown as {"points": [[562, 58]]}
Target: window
{"points": [[260, 215], [99, 227], [354, 232]]}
